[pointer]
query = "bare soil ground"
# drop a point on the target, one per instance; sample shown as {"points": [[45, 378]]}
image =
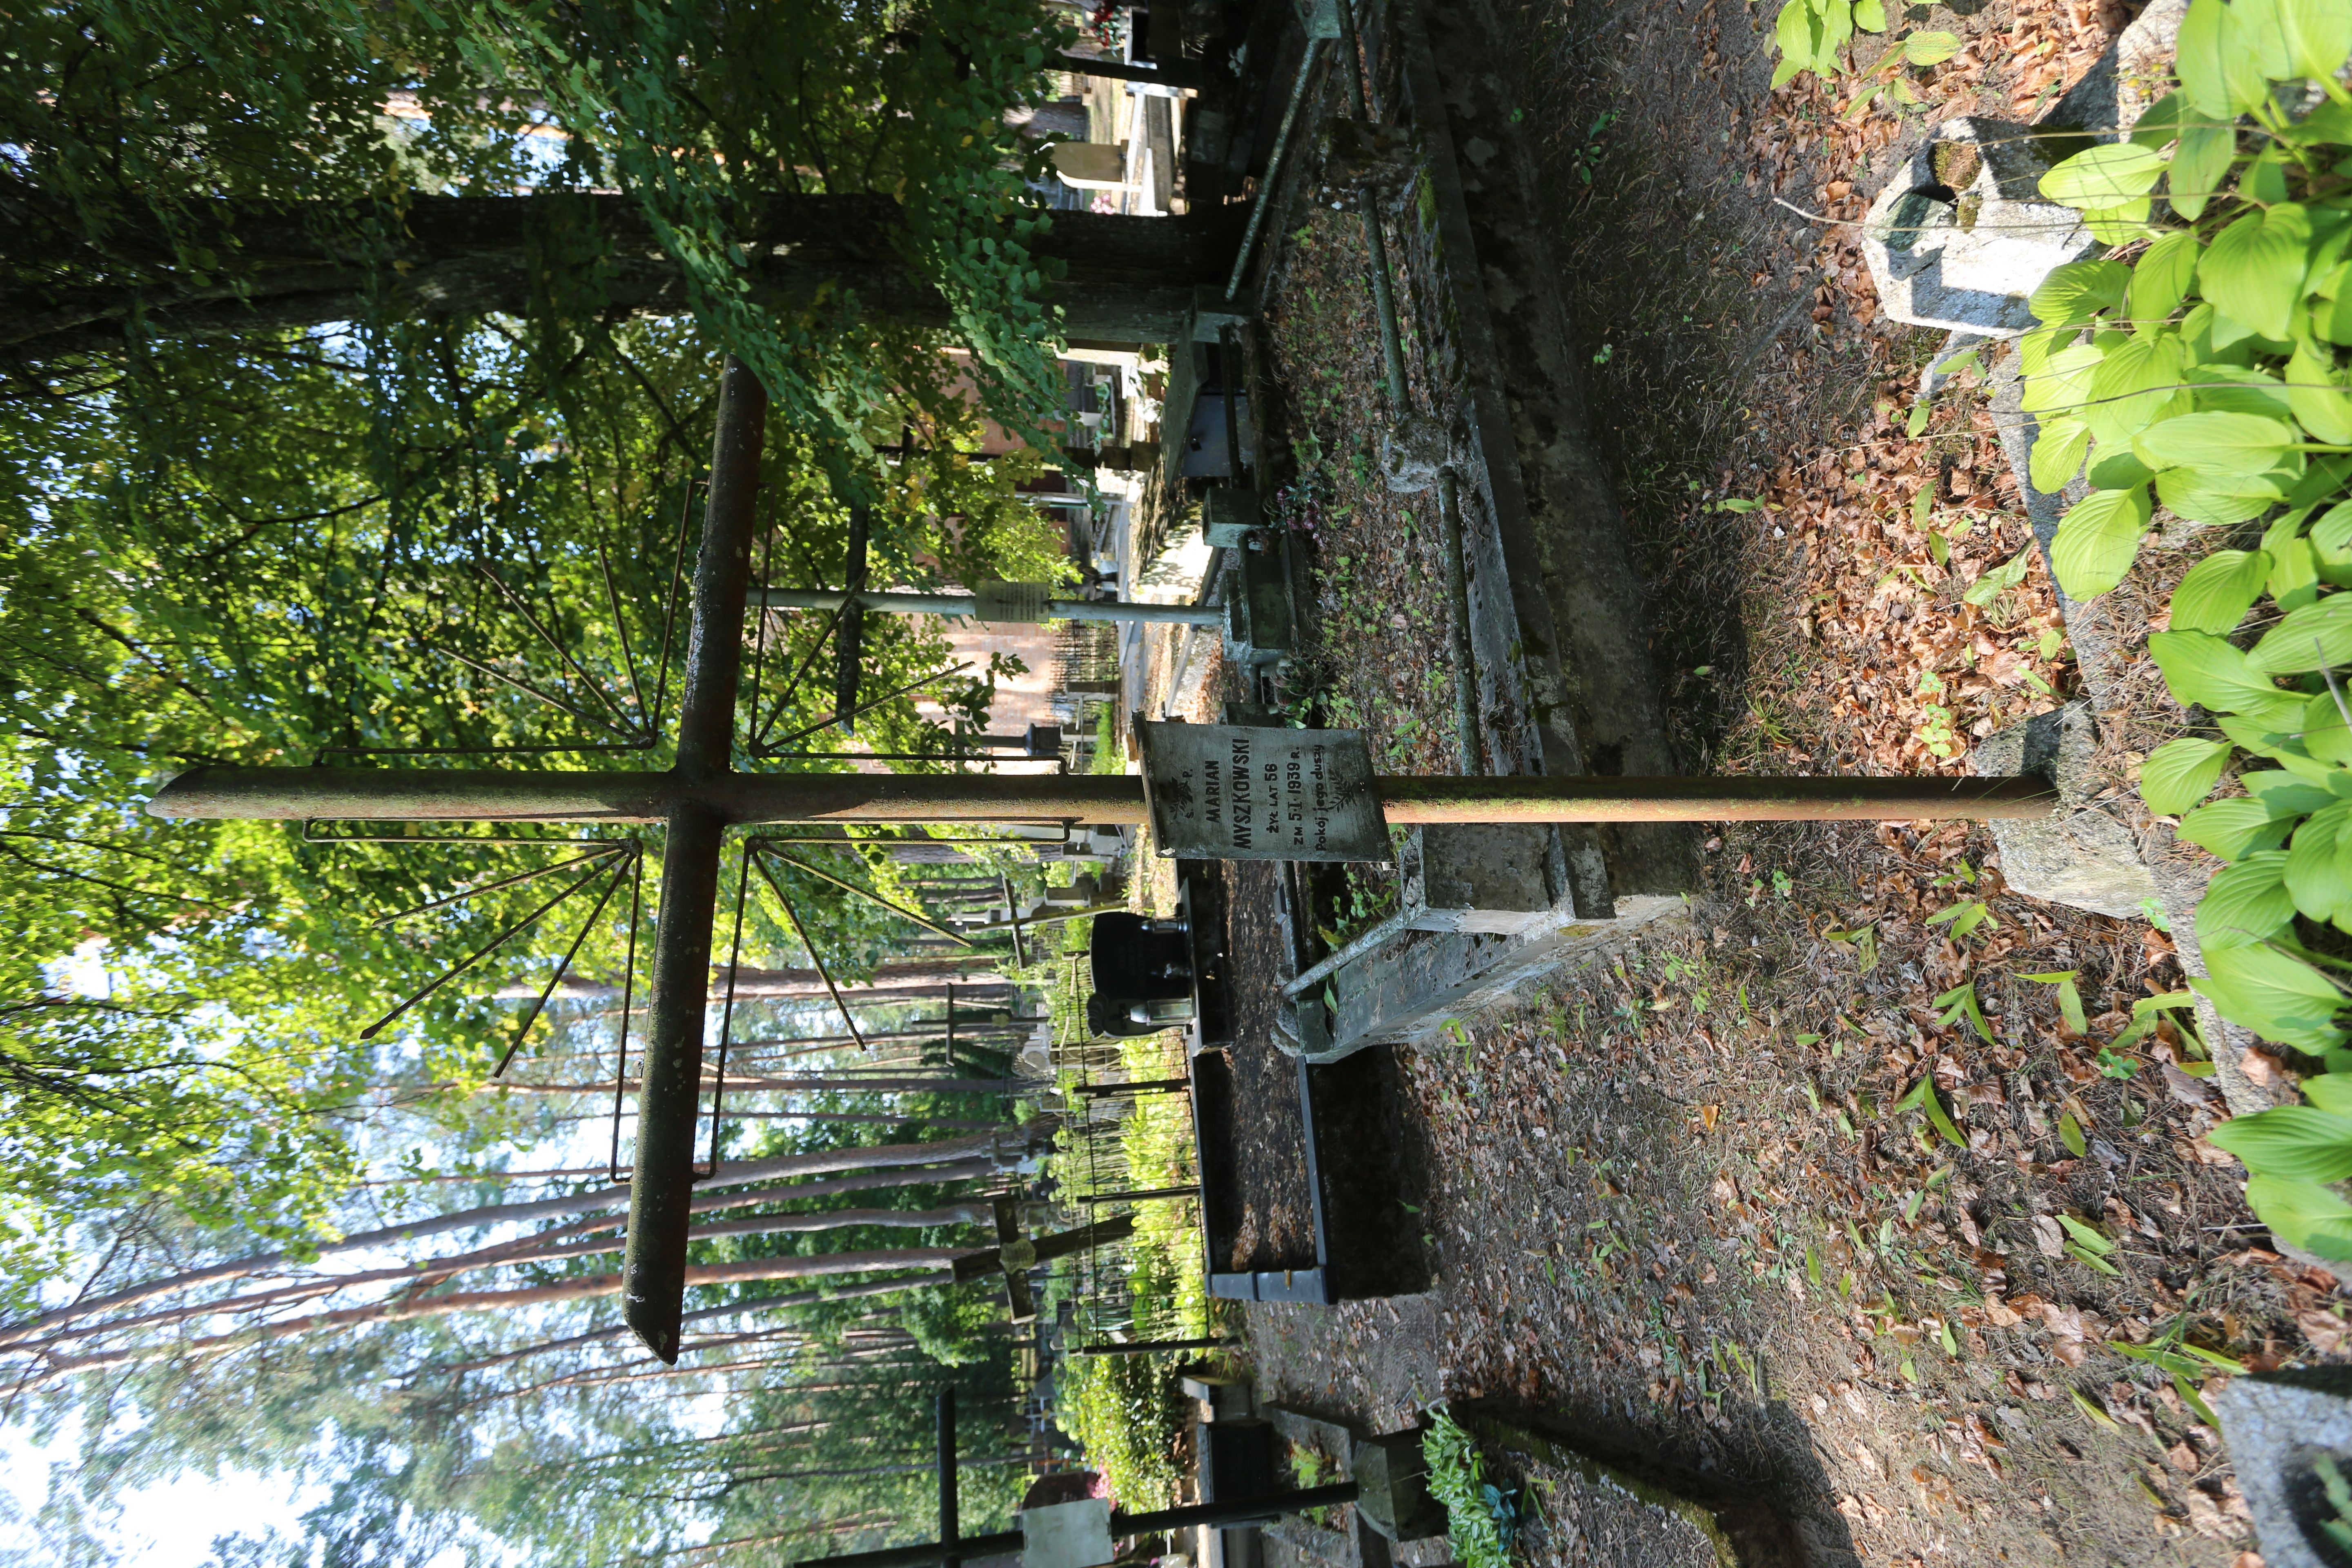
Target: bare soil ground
{"points": [[1673, 1205]]}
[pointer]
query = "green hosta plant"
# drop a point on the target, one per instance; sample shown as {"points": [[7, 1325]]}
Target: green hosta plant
{"points": [[1809, 34], [1481, 1519], [2200, 367]]}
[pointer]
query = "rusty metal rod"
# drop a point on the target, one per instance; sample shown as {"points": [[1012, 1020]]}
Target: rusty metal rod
{"points": [[417, 794], [669, 1104]]}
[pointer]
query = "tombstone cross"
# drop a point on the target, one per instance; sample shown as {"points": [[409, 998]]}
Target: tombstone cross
{"points": [[1014, 1255], [703, 793]]}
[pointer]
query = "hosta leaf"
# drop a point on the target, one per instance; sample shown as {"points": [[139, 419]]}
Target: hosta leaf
{"points": [[2303, 1214], [2247, 902], [2325, 735], [2116, 467], [2294, 581], [2232, 446], [2237, 389], [2203, 671], [2136, 385], [2278, 998], [2058, 452], [1998, 579], [2097, 538], [2103, 176], [2220, 590], [2316, 637], [2293, 1144], [2065, 381], [2200, 164], [2232, 828], [2263, 39], [2310, 876], [1930, 49], [2078, 290], [2205, 64], [2318, 35], [2206, 498], [1870, 15], [2316, 391], [1798, 31], [2289, 792], [2254, 269], [2180, 773], [2161, 278]]}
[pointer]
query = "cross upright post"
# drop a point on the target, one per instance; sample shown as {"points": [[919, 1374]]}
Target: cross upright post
{"points": [[669, 1105]]}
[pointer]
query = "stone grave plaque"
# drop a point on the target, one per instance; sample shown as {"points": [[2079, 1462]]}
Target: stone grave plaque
{"points": [[1232, 792]]}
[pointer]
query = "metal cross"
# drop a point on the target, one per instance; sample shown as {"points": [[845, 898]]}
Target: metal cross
{"points": [[703, 793]]}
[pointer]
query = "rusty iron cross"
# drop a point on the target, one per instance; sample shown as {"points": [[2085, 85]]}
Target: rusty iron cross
{"points": [[704, 794]]}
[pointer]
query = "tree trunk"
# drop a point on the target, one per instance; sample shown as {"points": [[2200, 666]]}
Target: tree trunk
{"points": [[963, 1159], [934, 1262], [740, 1083], [546, 1247], [1128, 279], [750, 981]]}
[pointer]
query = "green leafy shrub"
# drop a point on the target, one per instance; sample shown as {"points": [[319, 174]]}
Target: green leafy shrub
{"points": [[1481, 1519], [1809, 34], [1129, 1416], [2200, 365]]}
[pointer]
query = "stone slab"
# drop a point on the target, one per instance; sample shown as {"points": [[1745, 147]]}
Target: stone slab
{"points": [[1966, 250], [2276, 1424], [2084, 858], [1407, 992]]}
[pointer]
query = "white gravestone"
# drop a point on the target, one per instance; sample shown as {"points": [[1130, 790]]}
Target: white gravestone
{"points": [[1067, 1534]]}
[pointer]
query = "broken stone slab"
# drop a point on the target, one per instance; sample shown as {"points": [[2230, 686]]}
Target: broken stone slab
{"points": [[2084, 857], [1736, 1523], [1392, 1494], [2284, 1429], [1961, 237]]}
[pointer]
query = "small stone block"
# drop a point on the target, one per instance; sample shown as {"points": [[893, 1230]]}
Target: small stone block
{"points": [[2082, 857], [1229, 515], [1067, 1534], [1236, 1460], [2279, 1426], [1392, 1487]]}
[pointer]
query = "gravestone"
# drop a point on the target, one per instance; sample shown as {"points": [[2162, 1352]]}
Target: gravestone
{"points": [[1091, 166], [1962, 236], [2284, 1430], [1142, 972]]}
